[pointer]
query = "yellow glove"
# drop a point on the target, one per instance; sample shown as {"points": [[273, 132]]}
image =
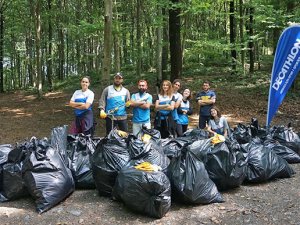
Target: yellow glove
{"points": [[128, 103], [146, 166], [217, 138], [122, 134], [146, 138], [102, 114]]}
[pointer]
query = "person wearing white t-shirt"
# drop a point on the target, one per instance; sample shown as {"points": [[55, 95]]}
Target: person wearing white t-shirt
{"points": [[82, 101], [164, 105], [178, 99]]}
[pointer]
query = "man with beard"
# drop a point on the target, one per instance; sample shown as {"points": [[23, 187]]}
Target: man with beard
{"points": [[141, 102], [113, 103]]}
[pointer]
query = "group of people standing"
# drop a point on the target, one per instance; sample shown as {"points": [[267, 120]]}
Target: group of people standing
{"points": [[172, 108]]}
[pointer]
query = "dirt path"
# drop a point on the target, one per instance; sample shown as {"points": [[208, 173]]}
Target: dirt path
{"points": [[23, 116]]}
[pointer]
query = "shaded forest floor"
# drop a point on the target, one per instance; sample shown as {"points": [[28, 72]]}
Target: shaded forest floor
{"points": [[23, 116]]}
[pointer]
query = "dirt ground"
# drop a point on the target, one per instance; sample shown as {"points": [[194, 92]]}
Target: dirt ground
{"points": [[23, 116]]}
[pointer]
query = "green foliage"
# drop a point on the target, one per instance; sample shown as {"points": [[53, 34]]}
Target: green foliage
{"points": [[204, 30]]}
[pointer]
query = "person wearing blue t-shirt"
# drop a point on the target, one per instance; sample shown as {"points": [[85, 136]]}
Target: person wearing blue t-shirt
{"points": [[205, 99], [141, 102], [82, 101], [113, 104], [184, 110]]}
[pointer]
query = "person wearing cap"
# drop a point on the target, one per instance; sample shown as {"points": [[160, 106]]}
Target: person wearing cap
{"points": [[112, 105], [141, 102]]}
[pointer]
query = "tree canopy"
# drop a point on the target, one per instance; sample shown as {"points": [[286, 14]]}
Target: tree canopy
{"points": [[46, 41]]}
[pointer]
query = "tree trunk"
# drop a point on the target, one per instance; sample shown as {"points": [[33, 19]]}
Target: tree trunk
{"points": [[107, 40], [251, 41], [117, 54], [175, 41], [165, 49], [117, 60], [159, 37], [49, 54], [78, 44], [61, 45], [232, 35], [1, 49], [138, 39], [125, 58], [241, 20], [38, 47], [276, 30], [29, 53]]}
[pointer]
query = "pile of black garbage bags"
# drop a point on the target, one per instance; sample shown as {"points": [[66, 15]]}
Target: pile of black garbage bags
{"points": [[191, 169]]}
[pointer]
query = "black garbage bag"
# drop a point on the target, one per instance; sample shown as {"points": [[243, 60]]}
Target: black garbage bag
{"points": [[200, 148], [264, 164], [115, 138], [196, 134], [155, 134], [80, 148], [287, 137], [20, 151], [288, 154], [146, 192], [226, 168], [136, 147], [4, 150], [171, 147], [13, 185], [190, 181], [47, 178], [232, 144], [59, 142], [111, 156], [257, 131], [242, 134], [149, 152]]}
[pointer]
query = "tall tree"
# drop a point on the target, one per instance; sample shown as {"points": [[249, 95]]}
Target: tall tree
{"points": [[108, 4], [49, 54], [117, 55], [165, 47], [232, 35], [3, 5], [276, 30], [61, 40], [36, 6], [138, 38], [175, 40], [159, 37], [251, 41], [241, 29]]}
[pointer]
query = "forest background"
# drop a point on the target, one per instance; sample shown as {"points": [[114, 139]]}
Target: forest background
{"points": [[47, 45]]}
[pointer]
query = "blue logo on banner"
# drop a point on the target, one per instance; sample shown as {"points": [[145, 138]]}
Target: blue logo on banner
{"points": [[286, 67]]}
